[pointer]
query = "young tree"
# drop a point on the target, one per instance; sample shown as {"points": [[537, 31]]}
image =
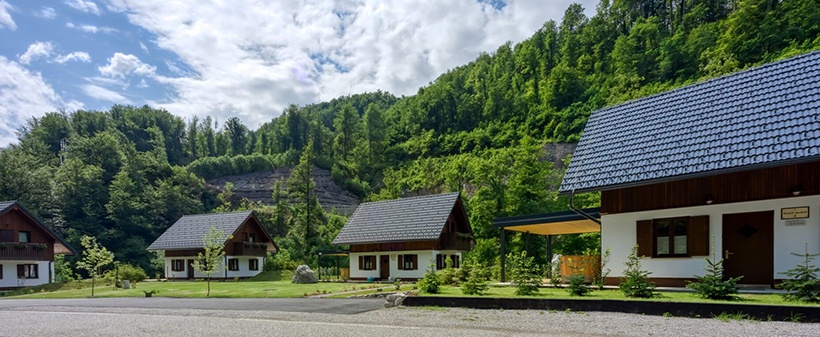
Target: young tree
{"points": [[210, 262], [95, 257], [713, 285], [803, 284], [635, 282], [524, 273]]}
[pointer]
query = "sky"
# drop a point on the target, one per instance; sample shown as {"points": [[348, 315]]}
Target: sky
{"points": [[249, 59]]}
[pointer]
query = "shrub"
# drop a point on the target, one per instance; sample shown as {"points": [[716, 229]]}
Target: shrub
{"points": [[430, 283], [449, 275], [475, 284], [524, 274], [803, 285], [280, 261], [635, 282], [712, 285], [577, 286], [132, 273], [599, 279]]}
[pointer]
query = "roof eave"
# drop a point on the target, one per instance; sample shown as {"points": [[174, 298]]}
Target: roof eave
{"points": [[694, 175]]}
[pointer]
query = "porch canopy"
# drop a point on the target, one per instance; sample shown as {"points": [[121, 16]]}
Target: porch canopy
{"points": [[335, 253], [547, 224]]}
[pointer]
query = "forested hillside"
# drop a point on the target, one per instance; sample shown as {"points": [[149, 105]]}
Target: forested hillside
{"points": [[126, 174]]}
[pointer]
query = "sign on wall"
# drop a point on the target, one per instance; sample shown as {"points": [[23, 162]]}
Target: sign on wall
{"points": [[794, 213]]}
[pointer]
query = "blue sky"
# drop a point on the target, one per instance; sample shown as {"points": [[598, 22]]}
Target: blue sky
{"points": [[235, 58]]}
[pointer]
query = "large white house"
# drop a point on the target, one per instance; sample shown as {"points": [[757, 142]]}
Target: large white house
{"points": [[729, 166], [27, 248], [245, 251], [401, 238]]}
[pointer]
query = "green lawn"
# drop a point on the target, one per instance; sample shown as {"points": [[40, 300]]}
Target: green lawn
{"points": [[617, 295], [267, 284]]}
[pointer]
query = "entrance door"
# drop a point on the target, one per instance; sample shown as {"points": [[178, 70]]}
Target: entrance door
{"points": [[190, 269], [384, 268], [748, 247]]}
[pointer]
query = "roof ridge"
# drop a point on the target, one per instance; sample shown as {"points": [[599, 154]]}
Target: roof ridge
{"points": [[219, 213], [408, 198], [706, 81]]}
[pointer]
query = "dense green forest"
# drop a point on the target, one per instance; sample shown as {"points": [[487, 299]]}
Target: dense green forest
{"points": [[124, 175]]}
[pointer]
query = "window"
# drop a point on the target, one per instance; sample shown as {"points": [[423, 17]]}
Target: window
{"points": [[6, 235], [253, 264], [1, 271], [454, 258], [670, 236], [251, 237], [24, 237], [367, 263], [408, 262], [441, 261], [27, 271], [233, 264], [177, 265]]}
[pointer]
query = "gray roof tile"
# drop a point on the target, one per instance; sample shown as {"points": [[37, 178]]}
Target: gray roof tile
{"points": [[189, 230], [406, 219], [761, 116]]}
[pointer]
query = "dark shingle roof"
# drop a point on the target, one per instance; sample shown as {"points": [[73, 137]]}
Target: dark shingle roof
{"points": [[189, 230], [407, 219], [6, 204], [768, 115]]}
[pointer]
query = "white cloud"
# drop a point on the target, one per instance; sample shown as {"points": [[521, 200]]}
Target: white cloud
{"points": [[91, 28], [24, 94], [5, 17], [121, 64], [142, 84], [254, 58], [47, 13], [36, 50], [100, 93], [75, 56], [85, 6], [144, 48]]}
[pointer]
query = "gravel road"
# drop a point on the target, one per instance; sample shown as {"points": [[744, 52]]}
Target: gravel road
{"points": [[97, 321]]}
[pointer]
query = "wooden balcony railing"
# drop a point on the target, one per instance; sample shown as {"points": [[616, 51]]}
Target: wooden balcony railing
{"points": [[249, 249], [22, 251]]}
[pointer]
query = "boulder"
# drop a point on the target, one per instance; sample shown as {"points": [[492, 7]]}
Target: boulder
{"points": [[304, 275], [394, 300]]}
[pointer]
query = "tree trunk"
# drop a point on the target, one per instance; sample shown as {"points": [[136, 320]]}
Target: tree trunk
{"points": [[92, 285], [208, 294]]}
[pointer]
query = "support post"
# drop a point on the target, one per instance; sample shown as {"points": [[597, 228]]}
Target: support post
{"points": [[503, 255], [528, 245]]}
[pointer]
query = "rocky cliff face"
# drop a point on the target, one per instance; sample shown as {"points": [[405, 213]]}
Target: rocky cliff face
{"points": [[258, 186]]}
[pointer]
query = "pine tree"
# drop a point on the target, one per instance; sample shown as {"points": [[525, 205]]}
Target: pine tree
{"points": [[346, 124], [712, 285], [281, 208], [803, 284], [635, 282], [307, 213]]}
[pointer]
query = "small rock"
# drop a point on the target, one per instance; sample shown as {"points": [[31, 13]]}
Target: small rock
{"points": [[304, 275]]}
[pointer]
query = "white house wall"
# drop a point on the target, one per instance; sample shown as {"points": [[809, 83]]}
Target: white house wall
{"points": [[244, 268], [425, 258], [9, 280], [618, 232]]}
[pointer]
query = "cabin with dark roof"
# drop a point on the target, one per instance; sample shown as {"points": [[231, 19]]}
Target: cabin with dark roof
{"points": [[245, 251], [401, 238], [27, 248], [729, 167]]}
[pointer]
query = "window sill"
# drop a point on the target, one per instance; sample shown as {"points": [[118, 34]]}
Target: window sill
{"points": [[672, 256]]}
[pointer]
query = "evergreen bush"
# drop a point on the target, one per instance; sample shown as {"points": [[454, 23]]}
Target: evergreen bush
{"points": [[635, 282], [524, 274], [577, 286], [431, 282], [712, 285], [475, 284], [803, 284]]}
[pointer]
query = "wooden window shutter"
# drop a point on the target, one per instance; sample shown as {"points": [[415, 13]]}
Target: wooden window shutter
{"points": [[415, 262], [401, 262], [438, 261], [361, 262], [697, 239], [21, 270], [644, 237]]}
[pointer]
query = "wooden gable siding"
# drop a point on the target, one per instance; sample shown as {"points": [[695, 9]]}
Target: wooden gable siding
{"points": [[251, 225], [761, 184], [396, 246], [17, 220]]}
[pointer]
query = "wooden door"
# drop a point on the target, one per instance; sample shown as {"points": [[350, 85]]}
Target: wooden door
{"points": [[748, 247], [190, 269], [384, 268]]}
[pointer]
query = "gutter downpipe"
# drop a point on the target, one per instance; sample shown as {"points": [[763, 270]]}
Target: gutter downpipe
{"points": [[581, 212]]}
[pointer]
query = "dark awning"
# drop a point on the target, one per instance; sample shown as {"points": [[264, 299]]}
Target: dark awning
{"points": [[556, 223]]}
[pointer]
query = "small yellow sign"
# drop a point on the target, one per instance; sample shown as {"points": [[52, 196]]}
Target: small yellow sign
{"points": [[794, 213]]}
